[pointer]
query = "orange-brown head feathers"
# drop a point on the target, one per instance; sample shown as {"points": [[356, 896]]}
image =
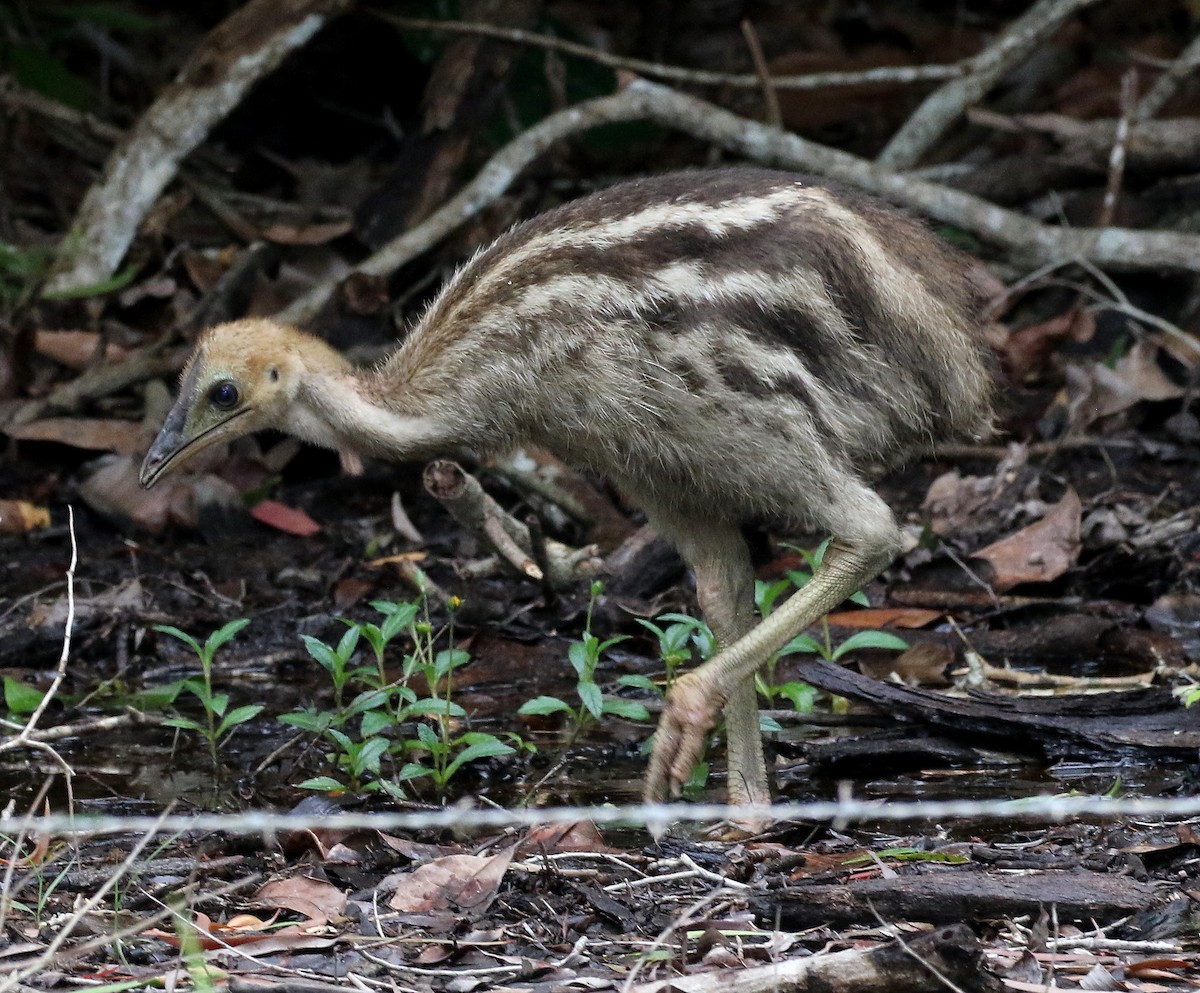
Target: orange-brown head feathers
{"points": [[243, 376]]}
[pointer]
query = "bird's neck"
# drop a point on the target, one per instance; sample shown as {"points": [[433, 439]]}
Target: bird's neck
{"points": [[342, 410]]}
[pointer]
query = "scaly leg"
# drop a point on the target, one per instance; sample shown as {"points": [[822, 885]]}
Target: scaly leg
{"points": [[717, 554], [694, 703]]}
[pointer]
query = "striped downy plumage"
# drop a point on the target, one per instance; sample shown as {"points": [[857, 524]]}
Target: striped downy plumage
{"points": [[725, 346]]}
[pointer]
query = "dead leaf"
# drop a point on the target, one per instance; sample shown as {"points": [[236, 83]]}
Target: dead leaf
{"points": [[577, 836], [1026, 350], [114, 490], [314, 898], [19, 516], [305, 234], [91, 433], [460, 882], [75, 349], [877, 617], [284, 518], [1040, 552], [924, 664]]}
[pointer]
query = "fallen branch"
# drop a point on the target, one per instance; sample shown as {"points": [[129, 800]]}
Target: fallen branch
{"points": [[948, 958], [1165, 86], [1030, 241], [681, 74], [460, 493], [238, 52], [946, 104]]}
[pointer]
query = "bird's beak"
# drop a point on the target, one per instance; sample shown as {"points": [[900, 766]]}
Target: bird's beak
{"points": [[172, 448]]}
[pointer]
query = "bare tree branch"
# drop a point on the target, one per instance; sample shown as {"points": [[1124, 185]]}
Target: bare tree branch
{"points": [[945, 105], [238, 52], [1030, 241]]}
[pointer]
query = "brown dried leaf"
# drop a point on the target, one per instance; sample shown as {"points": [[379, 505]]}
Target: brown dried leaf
{"points": [[455, 882], [19, 516], [877, 617], [578, 836], [114, 489], [314, 898], [284, 518], [75, 349], [305, 234], [1040, 552], [91, 433]]}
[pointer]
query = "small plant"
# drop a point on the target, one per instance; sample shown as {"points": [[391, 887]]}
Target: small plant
{"points": [[363, 762], [584, 656], [219, 721], [799, 694]]}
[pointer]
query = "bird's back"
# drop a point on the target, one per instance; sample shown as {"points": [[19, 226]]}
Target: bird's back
{"points": [[735, 336]]}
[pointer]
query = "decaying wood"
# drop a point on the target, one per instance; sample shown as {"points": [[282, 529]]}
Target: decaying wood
{"points": [[954, 894], [238, 52], [948, 958], [1028, 240], [1150, 721], [462, 495]]}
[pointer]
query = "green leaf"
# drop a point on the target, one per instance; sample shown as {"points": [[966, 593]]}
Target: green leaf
{"points": [[541, 706], [307, 720], [368, 758], [116, 17], [349, 642], [375, 722], [428, 736], [320, 651], [224, 634], [592, 698], [19, 697], [110, 285], [861, 599], [186, 723], [768, 725], [638, 681], [577, 653], [37, 69], [802, 696], [412, 770], [183, 636], [432, 707], [631, 710], [870, 639], [479, 750], [239, 715], [325, 783], [802, 643]]}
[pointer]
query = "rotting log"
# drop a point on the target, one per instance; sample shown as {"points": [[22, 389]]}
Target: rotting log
{"points": [[948, 958]]}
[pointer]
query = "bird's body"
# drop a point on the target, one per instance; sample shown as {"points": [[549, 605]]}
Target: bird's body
{"points": [[724, 346]]}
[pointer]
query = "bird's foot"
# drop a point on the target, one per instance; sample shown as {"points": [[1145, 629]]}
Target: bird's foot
{"points": [[692, 710]]}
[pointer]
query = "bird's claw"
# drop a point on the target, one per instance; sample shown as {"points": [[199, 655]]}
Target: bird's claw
{"points": [[691, 711]]}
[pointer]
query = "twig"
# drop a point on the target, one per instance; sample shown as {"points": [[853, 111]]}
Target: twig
{"points": [[1035, 243], [238, 52], [1116, 157], [25, 738], [770, 99], [1165, 86], [460, 493], [680, 74], [944, 106], [80, 913]]}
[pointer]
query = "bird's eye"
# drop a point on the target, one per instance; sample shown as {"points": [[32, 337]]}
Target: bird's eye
{"points": [[223, 395]]}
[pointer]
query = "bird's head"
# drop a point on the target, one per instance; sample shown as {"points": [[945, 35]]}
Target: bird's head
{"points": [[242, 377]]}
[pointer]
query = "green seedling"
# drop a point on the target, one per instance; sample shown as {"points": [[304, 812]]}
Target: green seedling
{"points": [[364, 761], [219, 721], [584, 656]]}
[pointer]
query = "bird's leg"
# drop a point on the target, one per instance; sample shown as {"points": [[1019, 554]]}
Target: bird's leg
{"points": [[717, 554], [694, 703]]}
